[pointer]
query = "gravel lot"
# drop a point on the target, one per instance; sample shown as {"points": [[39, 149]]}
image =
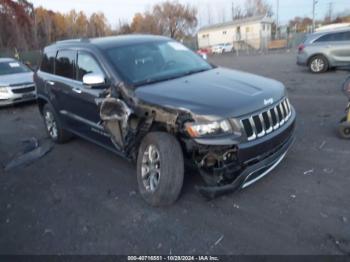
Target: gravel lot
{"points": [[82, 199]]}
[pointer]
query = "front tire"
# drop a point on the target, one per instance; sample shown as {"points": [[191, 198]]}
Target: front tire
{"points": [[160, 169], [318, 64], [53, 126]]}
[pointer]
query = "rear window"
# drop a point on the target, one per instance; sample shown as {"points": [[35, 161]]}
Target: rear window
{"points": [[12, 67], [65, 63], [48, 62]]}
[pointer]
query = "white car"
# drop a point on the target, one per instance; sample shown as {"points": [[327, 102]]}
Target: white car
{"points": [[16, 82], [222, 48]]}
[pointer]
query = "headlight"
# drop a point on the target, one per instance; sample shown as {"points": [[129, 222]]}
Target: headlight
{"points": [[3, 90], [346, 87], [213, 128]]}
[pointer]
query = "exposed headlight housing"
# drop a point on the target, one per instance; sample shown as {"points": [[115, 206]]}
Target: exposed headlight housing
{"points": [[209, 129], [346, 87]]}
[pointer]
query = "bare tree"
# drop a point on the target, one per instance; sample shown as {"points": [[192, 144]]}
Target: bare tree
{"points": [[174, 19], [257, 7]]}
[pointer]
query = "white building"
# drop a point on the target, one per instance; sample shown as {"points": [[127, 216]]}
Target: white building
{"points": [[252, 32]]}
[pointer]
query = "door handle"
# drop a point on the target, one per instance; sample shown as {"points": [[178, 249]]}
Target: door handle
{"points": [[51, 83], [77, 90]]}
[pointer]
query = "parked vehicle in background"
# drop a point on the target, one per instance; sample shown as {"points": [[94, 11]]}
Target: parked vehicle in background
{"points": [[325, 50], [16, 82], [227, 48], [222, 48], [203, 53], [152, 100]]}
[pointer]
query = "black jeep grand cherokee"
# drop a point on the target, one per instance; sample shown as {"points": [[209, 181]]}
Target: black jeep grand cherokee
{"points": [[150, 99]]}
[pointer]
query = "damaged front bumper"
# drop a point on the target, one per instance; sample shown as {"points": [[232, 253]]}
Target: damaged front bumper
{"points": [[254, 160], [250, 175]]}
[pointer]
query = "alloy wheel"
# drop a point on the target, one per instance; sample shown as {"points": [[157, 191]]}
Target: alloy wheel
{"points": [[317, 65], [51, 125], [150, 169]]}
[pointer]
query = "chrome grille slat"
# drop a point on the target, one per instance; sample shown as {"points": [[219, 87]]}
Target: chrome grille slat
{"points": [[271, 122], [251, 121], [282, 113], [263, 132], [263, 123], [277, 117]]}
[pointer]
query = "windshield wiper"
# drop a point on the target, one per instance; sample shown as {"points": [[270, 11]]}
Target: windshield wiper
{"points": [[192, 72], [161, 79], [155, 80]]}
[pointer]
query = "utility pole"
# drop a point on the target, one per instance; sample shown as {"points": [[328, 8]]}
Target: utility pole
{"points": [[314, 2], [277, 18], [330, 11], [233, 11], [277, 13]]}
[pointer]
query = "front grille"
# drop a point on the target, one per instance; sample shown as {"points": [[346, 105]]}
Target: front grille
{"points": [[22, 90], [259, 125]]}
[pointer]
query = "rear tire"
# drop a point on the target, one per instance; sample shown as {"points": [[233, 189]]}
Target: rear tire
{"points": [[54, 126], [318, 64], [160, 169]]}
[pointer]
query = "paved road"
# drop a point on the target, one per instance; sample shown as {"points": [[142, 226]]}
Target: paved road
{"points": [[81, 199]]}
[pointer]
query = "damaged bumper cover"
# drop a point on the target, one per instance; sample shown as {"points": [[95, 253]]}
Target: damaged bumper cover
{"points": [[250, 175], [255, 160]]}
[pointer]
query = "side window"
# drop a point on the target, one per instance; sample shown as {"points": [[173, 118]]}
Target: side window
{"points": [[87, 64], [339, 37], [65, 63], [325, 38], [347, 36], [48, 61]]}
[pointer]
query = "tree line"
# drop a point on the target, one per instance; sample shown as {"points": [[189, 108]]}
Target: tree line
{"points": [[24, 27]]}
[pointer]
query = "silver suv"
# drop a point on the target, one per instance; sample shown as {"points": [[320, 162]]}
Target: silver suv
{"points": [[323, 50]]}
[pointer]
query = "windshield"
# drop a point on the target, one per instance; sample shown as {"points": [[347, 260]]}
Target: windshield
{"points": [[12, 67], [146, 63]]}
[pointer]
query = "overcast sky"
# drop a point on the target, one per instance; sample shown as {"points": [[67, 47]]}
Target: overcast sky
{"points": [[124, 10]]}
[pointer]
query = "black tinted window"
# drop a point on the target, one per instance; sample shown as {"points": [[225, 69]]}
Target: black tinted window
{"points": [[87, 64], [65, 63], [48, 61]]}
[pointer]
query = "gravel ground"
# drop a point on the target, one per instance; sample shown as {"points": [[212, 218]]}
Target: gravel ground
{"points": [[82, 199]]}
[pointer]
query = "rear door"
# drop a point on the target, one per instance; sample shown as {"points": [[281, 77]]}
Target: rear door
{"points": [[339, 48]]}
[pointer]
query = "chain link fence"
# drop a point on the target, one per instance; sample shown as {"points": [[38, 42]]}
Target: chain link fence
{"points": [[288, 42]]}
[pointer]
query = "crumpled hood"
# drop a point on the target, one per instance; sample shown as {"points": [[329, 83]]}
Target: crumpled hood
{"points": [[16, 79], [216, 94]]}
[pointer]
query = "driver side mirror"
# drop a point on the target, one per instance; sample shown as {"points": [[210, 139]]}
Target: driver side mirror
{"points": [[93, 80]]}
